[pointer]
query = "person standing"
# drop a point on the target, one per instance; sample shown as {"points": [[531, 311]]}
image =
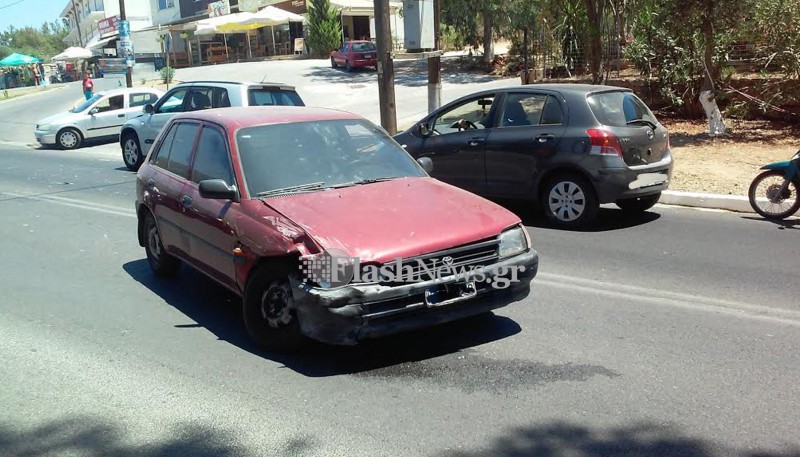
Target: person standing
{"points": [[88, 86], [37, 76]]}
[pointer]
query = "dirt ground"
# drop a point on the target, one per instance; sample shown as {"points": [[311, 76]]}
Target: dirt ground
{"points": [[726, 164]]}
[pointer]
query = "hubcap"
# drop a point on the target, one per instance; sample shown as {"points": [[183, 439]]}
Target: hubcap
{"points": [[68, 139], [276, 305], [567, 201], [131, 151], [776, 202], [154, 243]]}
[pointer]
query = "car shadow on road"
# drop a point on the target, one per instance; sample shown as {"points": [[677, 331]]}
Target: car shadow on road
{"points": [[608, 218], [85, 144], [409, 73], [218, 310], [786, 224]]}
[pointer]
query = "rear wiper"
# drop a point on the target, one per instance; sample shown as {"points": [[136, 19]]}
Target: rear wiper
{"points": [[362, 181], [645, 121], [291, 189]]}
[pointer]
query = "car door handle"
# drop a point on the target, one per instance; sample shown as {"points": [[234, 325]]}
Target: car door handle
{"points": [[476, 141], [545, 137], [186, 201], [120, 115]]}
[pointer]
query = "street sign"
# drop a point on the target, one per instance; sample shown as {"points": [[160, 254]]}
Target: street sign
{"points": [[108, 26], [125, 43]]}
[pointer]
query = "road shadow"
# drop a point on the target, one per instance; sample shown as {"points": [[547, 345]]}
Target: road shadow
{"points": [[786, 224], [564, 439], [409, 73], [218, 310], [92, 436], [85, 144], [608, 218]]}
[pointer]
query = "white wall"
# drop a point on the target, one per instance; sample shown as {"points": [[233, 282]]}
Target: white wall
{"points": [[167, 15]]}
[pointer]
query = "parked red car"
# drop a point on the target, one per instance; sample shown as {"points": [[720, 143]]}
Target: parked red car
{"points": [[355, 54], [323, 225]]}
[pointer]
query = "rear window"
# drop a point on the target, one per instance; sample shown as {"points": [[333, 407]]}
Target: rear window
{"points": [[273, 97], [618, 109], [363, 47]]}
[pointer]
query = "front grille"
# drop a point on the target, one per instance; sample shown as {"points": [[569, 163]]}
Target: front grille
{"points": [[444, 263]]}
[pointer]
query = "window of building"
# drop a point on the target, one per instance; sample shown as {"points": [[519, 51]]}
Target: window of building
{"points": [[164, 4]]}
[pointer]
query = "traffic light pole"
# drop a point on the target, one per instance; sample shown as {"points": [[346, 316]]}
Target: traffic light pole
{"points": [[383, 34]]}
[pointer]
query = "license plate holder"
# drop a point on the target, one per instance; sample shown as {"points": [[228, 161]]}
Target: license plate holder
{"points": [[645, 180], [446, 294]]}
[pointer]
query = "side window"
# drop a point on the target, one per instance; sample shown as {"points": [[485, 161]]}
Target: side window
{"points": [[180, 154], [522, 109], [211, 159], [111, 104], [221, 98], [199, 98], [474, 113], [161, 157], [173, 102], [141, 99], [552, 114]]}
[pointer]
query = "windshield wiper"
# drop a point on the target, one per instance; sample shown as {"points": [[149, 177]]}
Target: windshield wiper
{"points": [[362, 181], [291, 189], [643, 121]]}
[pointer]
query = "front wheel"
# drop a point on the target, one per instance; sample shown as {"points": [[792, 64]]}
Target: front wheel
{"points": [[333, 63], [773, 196], [347, 67], [638, 204], [162, 263], [68, 139], [269, 312], [131, 151], [569, 201]]}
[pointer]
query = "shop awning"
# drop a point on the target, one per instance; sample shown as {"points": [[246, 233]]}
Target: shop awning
{"points": [[74, 53], [229, 23], [96, 42], [360, 7]]}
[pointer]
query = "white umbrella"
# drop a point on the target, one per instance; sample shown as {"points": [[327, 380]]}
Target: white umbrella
{"points": [[270, 16], [74, 53]]}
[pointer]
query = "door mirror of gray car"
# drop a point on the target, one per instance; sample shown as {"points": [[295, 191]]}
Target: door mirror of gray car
{"points": [[94, 111], [217, 189], [427, 164], [423, 130], [148, 108]]}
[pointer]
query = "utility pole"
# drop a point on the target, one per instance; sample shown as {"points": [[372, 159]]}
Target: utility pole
{"points": [[383, 34], [123, 19], [77, 23], [435, 64]]}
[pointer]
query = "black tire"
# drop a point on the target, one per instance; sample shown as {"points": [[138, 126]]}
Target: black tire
{"points": [[333, 63], [162, 264], [347, 66], [131, 151], [791, 192], [569, 201], [68, 138], [638, 204], [269, 314]]}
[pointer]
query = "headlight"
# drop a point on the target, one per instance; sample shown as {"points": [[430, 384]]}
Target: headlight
{"points": [[512, 242], [44, 127]]}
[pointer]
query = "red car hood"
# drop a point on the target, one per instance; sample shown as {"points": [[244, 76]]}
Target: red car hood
{"points": [[406, 217]]}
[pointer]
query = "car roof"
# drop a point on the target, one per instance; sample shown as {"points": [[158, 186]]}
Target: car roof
{"points": [[359, 41], [129, 90], [564, 88], [238, 83], [249, 116]]}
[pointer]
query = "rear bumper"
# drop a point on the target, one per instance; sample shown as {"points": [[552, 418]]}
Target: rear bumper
{"points": [[614, 184], [363, 63], [352, 313]]}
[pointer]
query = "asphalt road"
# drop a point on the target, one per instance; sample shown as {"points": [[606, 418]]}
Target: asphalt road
{"points": [[675, 333]]}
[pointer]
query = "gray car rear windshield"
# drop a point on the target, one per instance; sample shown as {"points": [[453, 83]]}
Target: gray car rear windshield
{"points": [[618, 109], [272, 97]]}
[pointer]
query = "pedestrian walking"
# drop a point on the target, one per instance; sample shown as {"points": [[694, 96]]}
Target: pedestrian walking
{"points": [[37, 75], [88, 86]]}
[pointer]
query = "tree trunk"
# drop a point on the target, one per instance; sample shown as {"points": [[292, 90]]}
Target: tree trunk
{"points": [[488, 39], [595, 10], [716, 124]]}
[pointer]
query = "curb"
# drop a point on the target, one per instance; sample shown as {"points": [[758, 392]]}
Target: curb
{"points": [[737, 203], [31, 94]]}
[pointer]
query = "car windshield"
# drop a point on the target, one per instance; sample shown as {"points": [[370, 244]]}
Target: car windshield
{"points": [[363, 47], [86, 104], [313, 155], [272, 97], [620, 109]]}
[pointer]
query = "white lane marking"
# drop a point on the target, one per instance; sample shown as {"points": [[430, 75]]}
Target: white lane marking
{"points": [[76, 203], [663, 297]]}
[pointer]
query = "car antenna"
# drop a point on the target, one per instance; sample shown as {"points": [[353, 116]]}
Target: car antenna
{"points": [[264, 78]]}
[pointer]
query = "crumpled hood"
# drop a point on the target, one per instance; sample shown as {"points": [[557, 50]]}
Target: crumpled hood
{"points": [[406, 217]]}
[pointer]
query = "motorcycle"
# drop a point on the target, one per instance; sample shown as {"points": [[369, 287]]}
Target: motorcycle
{"points": [[774, 193]]}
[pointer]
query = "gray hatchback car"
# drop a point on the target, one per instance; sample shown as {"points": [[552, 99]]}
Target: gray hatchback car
{"points": [[566, 147]]}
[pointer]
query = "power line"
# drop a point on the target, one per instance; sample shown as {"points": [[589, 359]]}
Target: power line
{"points": [[11, 4]]}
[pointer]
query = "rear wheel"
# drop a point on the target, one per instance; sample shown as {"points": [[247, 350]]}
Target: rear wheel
{"points": [[639, 204], [569, 201], [772, 196], [333, 63], [269, 312], [161, 263], [68, 139], [131, 151]]}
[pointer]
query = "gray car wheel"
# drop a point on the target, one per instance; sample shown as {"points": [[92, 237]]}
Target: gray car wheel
{"points": [[269, 312], [569, 201], [131, 151], [162, 263], [68, 139]]}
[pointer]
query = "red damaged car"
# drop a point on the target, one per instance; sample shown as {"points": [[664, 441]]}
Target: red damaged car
{"points": [[323, 225], [355, 54]]}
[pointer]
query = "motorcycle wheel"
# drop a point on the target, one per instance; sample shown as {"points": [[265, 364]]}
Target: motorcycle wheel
{"points": [[767, 199]]}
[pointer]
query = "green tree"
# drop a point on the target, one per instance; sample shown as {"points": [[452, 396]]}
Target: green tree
{"points": [[324, 31], [43, 42]]}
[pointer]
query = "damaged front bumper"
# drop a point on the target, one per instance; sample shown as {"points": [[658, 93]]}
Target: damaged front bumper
{"points": [[349, 314]]}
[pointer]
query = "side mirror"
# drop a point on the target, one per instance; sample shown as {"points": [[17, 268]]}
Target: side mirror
{"points": [[427, 164], [148, 108], [94, 111], [424, 130], [217, 189]]}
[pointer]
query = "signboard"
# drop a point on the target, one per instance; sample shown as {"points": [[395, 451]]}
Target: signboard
{"points": [[292, 6], [125, 44], [219, 8], [108, 26], [111, 66], [252, 5]]}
